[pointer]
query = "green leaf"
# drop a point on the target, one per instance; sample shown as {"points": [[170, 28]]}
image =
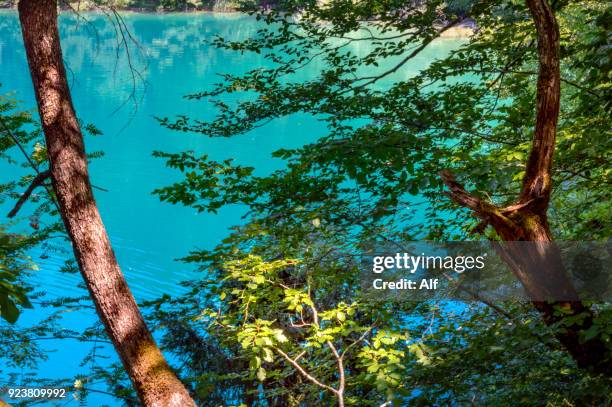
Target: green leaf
{"points": [[261, 374]]}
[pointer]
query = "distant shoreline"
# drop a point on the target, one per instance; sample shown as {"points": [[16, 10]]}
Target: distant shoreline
{"points": [[140, 10], [462, 30]]}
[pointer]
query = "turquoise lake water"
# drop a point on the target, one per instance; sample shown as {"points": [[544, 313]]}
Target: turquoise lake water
{"points": [[148, 235]]}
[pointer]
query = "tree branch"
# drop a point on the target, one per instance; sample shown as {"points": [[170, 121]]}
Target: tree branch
{"points": [[342, 381], [414, 53], [28, 158], [458, 193], [37, 181], [537, 182], [18, 144], [488, 212], [360, 339], [305, 373]]}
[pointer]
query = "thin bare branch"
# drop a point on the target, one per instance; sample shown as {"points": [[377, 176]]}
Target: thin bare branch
{"points": [[38, 180], [410, 56], [304, 373], [28, 159]]}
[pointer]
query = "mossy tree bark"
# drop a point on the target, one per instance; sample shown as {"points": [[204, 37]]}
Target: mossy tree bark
{"points": [[152, 377], [540, 268]]}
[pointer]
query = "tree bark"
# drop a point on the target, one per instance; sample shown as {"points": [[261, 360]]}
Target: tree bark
{"points": [[527, 219], [152, 377]]}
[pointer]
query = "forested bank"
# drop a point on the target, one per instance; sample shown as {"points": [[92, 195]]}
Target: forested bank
{"points": [[457, 6], [149, 5]]}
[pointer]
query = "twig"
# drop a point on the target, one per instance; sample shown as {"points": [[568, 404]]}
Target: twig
{"points": [[27, 157], [18, 144], [305, 373], [361, 338], [36, 182], [415, 52]]}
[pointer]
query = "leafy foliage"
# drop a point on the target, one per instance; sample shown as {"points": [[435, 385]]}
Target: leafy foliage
{"points": [[12, 293], [16, 130], [374, 177]]}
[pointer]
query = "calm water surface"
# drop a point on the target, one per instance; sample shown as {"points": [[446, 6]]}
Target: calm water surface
{"points": [[175, 60]]}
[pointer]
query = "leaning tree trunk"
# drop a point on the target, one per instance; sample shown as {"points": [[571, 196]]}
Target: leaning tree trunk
{"points": [[152, 377], [527, 220]]}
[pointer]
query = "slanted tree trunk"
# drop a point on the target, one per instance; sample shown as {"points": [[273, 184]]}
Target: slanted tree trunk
{"points": [[152, 377], [540, 269]]}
